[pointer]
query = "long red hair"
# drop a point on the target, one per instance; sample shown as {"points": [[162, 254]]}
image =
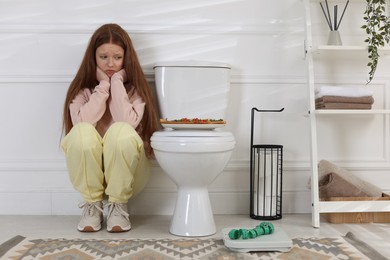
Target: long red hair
{"points": [[86, 78]]}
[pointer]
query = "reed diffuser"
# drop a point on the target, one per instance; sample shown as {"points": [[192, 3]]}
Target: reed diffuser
{"points": [[334, 35]]}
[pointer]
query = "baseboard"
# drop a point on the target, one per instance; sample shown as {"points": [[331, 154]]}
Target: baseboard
{"points": [[146, 203]]}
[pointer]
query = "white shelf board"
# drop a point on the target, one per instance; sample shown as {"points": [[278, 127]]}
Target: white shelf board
{"points": [[351, 111], [355, 206], [344, 49], [341, 1], [341, 47]]}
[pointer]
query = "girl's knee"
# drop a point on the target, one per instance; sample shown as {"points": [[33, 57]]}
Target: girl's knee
{"points": [[82, 137], [119, 129], [122, 135]]}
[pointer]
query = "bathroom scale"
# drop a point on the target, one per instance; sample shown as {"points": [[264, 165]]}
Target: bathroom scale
{"points": [[277, 241]]}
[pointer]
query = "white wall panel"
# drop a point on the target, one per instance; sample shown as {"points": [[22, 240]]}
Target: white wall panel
{"points": [[42, 45], [183, 12], [32, 113]]}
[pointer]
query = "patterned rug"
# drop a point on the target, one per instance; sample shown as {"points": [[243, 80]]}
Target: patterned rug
{"points": [[346, 247]]}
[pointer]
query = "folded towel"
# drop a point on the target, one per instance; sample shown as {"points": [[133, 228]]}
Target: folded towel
{"points": [[338, 99], [339, 185], [326, 105], [343, 91], [335, 181]]}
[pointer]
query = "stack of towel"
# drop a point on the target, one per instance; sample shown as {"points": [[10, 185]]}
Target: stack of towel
{"points": [[336, 97]]}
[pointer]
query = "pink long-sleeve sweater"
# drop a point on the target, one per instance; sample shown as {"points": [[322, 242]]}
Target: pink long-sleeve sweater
{"points": [[106, 105]]}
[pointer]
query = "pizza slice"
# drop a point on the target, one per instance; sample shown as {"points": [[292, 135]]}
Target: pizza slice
{"points": [[185, 120]]}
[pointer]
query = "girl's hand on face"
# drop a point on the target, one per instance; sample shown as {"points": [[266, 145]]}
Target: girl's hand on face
{"points": [[121, 75], [101, 75]]}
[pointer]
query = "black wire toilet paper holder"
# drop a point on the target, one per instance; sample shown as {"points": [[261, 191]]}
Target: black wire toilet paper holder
{"points": [[266, 167]]}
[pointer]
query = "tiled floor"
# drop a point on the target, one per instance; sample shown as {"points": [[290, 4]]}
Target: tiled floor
{"points": [[299, 225]]}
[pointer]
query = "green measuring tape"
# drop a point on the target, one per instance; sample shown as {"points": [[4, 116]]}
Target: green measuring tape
{"points": [[264, 228]]}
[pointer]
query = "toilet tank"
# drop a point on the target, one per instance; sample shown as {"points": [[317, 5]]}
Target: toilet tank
{"points": [[192, 89]]}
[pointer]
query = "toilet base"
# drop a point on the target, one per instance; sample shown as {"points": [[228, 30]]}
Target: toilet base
{"points": [[193, 215]]}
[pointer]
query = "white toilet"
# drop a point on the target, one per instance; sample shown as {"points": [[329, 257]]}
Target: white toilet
{"points": [[192, 155]]}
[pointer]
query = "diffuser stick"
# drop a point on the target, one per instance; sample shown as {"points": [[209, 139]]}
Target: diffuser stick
{"points": [[335, 17], [330, 19], [326, 17], [342, 15]]}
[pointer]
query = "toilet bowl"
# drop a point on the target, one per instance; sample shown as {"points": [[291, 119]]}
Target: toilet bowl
{"points": [[192, 160], [192, 155]]}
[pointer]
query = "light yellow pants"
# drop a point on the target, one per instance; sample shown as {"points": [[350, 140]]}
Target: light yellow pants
{"points": [[115, 165]]}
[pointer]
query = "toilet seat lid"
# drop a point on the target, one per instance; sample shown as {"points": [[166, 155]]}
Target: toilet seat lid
{"points": [[192, 135]]}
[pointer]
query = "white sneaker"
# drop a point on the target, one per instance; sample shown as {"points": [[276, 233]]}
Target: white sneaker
{"points": [[92, 218], [118, 217]]}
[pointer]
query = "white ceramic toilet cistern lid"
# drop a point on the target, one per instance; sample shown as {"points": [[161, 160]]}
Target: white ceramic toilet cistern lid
{"points": [[191, 63]]}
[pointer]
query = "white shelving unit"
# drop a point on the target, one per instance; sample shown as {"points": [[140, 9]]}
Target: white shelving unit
{"points": [[338, 52]]}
